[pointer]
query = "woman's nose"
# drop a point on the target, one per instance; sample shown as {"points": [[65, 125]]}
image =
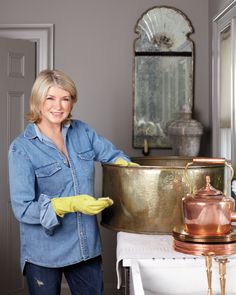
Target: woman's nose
{"points": [[58, 103]]}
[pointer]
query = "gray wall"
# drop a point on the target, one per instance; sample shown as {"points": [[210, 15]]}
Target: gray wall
{"points": [[216, 6], [93, 44]]}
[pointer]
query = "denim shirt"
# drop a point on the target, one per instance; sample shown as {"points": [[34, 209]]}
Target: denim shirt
{"points": [[38, 171]]}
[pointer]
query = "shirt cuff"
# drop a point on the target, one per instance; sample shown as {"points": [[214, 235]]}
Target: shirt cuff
{"points": [[48, 217]]}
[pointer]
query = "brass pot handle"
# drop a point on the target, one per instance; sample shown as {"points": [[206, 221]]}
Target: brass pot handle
{"points": [[210, 161]]}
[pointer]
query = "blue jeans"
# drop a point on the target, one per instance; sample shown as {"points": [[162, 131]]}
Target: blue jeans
{"points": [[84, 278]]}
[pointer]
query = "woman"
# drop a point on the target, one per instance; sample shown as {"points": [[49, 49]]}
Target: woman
{"points": [[51, 174]]}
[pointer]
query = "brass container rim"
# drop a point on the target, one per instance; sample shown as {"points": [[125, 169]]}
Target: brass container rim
{"points": [[141, 167]]}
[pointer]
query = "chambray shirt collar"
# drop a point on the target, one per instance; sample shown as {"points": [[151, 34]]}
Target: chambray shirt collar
{"points": [[32, 131]]}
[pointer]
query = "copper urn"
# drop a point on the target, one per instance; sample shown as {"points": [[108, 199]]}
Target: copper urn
{"points": [[208, 212]]}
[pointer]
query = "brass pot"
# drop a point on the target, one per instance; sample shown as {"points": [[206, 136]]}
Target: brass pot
{"points": [[208, 212], [148, 198]]}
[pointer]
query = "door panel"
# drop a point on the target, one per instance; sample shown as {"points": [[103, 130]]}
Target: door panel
{"points": [[17, 74]]}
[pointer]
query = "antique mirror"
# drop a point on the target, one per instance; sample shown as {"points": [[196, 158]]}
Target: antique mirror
{"points": [[163, 70]]}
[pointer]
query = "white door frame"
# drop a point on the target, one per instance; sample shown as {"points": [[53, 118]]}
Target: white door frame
{"points": [[224, 19], [41, 34]]}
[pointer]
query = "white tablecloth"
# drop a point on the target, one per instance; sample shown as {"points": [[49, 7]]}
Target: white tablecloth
{"points": [[156, 252], [140, 246]]}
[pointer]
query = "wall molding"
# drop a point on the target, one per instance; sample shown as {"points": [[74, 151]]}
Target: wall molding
{"points": [[226, 18], [41, 34]]}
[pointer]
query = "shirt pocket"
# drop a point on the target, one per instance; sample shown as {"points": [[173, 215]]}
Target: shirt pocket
{"points": [[50, 179], [86, 164]]}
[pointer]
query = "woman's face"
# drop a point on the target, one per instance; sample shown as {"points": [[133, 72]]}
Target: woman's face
{"points": [[56, 106]]}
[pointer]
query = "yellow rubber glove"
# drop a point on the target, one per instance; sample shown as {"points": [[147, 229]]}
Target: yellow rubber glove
{"points": [[123, 162], [80, 203]]}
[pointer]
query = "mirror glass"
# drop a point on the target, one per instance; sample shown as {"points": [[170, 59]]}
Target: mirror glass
{"points": [[162, 75]]}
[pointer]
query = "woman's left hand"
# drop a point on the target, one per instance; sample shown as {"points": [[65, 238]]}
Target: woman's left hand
{"points": [[124, 163]]}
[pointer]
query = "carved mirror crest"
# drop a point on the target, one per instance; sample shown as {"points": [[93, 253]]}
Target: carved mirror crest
{"points": [[162, 74]]}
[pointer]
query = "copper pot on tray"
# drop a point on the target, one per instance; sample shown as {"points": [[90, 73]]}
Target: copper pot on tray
{"points": [[208, 212]]}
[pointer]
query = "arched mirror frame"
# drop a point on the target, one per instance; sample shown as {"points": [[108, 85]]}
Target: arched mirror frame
{"points": [[224, 135], [152, 132]]}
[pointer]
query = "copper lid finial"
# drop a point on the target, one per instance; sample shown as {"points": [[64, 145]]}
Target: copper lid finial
{"points": [[208, 190]]}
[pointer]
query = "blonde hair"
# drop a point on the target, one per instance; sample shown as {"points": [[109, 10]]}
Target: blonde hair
{"points": [[43, 82]]}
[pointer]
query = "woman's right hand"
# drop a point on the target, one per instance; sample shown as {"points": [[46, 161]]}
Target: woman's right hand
{"points": [[81, 203]]}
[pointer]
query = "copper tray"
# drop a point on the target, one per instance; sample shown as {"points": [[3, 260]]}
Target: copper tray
{"points": [[201, 245], [180, 234], [219, 249]]}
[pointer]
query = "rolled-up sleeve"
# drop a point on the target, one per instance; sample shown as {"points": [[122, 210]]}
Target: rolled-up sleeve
{"points": [[26, 206], [48, 217]]}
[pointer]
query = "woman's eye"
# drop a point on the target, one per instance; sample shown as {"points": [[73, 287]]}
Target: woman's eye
{"points": [[49, 98], [66, 99]]}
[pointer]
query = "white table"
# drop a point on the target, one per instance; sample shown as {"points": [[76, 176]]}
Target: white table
{"points": [[156, 269]]}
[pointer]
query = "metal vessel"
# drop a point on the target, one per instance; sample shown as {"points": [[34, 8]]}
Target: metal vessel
{"points": [[148, 198], [209, 212], [185, 133]]}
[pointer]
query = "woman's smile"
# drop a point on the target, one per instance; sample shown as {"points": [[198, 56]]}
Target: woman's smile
{"points": [[56, 106]]}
